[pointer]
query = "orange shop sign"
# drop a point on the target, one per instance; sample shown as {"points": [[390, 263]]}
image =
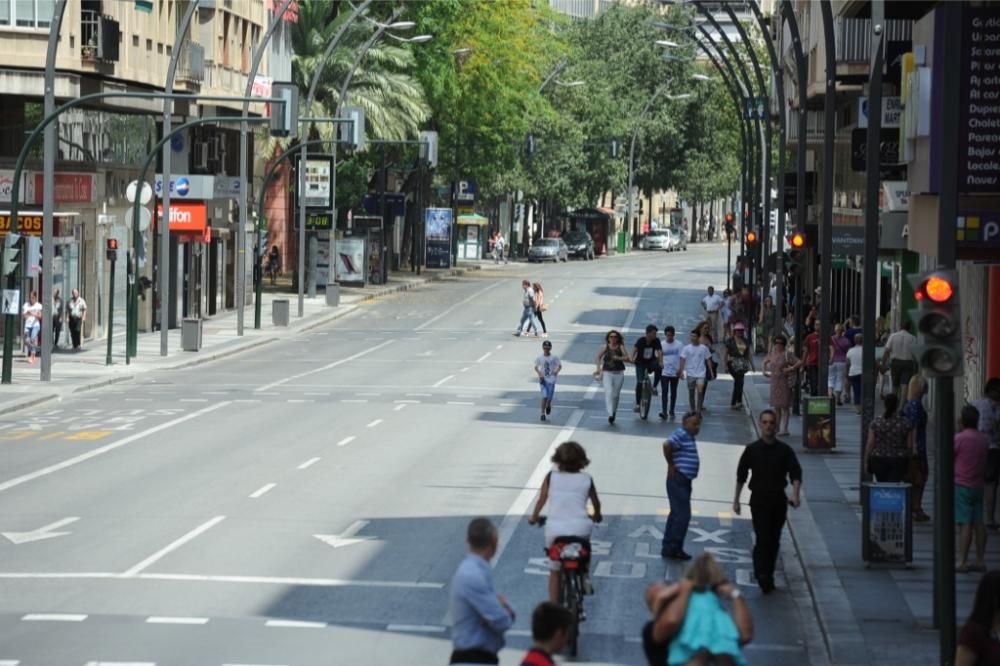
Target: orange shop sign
{"points": [[186, 216]]}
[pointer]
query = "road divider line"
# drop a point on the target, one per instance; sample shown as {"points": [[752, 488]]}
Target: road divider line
{"points": [[263, 490], [309, 463], [442, 381], [346, 441], [355, 402], [9, 662], [295, 624], [484, 357], [407, 402], [51, 469], [120, 663], [464, 370], [462, 302], [374, 423], [324, 368], [160, 554], [205, 578], [157, 619], [460, 402], [399, 408], [54, 617]]}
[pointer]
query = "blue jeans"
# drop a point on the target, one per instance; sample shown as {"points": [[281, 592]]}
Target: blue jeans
{"points": [[528, 315], [679, 495]]}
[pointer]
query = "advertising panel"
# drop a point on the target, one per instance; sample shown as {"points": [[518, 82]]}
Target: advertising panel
{"points": [[350, 262], [186, 216], [437, 234], [69, 188], [183, 186], [318, 190], [978, 158]]}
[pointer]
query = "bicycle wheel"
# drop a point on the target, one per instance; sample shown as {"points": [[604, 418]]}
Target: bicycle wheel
{"points": [[647, 397], [571, 602]]}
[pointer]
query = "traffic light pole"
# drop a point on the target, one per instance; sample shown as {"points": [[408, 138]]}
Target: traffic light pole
{"points": [[111, 303], [944, 394], [826, 228]]}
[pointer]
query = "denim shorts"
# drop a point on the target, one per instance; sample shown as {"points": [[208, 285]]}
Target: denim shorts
{"points": [[548, 389]]}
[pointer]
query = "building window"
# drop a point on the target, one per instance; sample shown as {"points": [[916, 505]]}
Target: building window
{"points": [[27, 13]]}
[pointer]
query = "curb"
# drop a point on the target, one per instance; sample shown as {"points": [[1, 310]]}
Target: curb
{"points": [[823, 606], [101, 383], [215, 356], [32, 401]]}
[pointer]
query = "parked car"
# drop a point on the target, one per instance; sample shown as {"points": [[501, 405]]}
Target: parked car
{"points": [[549, 249], [656, 240], [679, 239], [579, 244]]}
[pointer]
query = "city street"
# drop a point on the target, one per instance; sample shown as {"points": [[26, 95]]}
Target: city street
{"points": [[306, 502]]}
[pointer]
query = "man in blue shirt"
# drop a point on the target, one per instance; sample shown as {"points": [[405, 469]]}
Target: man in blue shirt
{"points": [[681, 453], [480, 616]]}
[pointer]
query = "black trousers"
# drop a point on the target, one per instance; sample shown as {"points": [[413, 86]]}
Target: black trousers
{"points": [[668, 393], [769, 515], [738, 389], [75, 325], [812, 379], [541, 320]]}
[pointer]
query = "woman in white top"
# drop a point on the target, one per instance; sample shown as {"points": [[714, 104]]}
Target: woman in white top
{"points": [[32, 314], [854, 370], [567, 489]]}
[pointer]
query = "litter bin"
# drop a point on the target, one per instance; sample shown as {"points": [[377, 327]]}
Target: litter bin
{"points": [[887, 523], [622, 242], [333, 294], [819, 428], [191, 334], [279, 312]]}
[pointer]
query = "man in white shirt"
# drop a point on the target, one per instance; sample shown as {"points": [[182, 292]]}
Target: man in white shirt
{"points": [[547, 367], [712, 304], [899, 355], [527, 311], [671, 349], [695, 359]]}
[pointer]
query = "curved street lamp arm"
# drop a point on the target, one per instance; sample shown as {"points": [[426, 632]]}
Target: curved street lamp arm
{"points": [[331, 45], [361, 54]]}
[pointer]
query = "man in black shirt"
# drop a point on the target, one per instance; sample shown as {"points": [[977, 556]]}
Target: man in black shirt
{"points": [[647, 354], [771, 464]]}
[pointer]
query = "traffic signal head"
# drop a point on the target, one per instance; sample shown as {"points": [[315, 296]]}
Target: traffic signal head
{"points": [[12, 250], [112, 249], [751, 238], [729, 218], [797, 241], [939, 322]]}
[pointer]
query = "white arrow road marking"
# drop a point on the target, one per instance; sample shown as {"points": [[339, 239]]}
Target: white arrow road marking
{"points": [[649, 530], [46, 532], [346, 538], [714, 536]]}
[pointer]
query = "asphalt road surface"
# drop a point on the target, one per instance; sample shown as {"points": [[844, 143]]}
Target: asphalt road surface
{"points": [[305, 503]]}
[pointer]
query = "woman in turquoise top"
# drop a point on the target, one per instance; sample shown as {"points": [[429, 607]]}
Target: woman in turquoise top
{"points": [[702, 630]]}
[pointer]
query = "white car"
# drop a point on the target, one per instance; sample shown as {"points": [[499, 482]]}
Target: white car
{"points": [[656, 240]]}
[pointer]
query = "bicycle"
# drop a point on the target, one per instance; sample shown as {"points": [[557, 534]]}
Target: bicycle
{"points": [[573, 555], [647, 394]]}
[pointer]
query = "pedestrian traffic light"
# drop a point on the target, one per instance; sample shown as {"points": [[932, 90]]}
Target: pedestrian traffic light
{"points": [[730, 225], [797, 240], [11, 255], [751, 239], [112, 249], [939, 321]]}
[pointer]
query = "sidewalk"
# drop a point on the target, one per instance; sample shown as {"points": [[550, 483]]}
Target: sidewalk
{"points": [[868, 615], [87, 370]]}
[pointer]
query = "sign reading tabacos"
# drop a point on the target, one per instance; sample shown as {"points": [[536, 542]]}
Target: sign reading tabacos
{"points": [[186, 216]]}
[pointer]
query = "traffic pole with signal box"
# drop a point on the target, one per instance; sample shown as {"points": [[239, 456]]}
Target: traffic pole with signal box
{"points": [[112, 255], [796, 266], [938, 319]]}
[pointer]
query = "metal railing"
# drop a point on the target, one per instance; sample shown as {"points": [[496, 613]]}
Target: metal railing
{"points": [[191, 63], [854, 37]]}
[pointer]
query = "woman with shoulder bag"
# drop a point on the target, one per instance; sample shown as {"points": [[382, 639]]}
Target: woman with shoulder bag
{"points": [[540, 307], [610, 361], [782, 367], [891, 443], [739, 362]]}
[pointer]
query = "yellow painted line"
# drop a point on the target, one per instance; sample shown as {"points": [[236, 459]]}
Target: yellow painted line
{"points": [[725, 519], [89, 435], [51, 435], [19, 434]]}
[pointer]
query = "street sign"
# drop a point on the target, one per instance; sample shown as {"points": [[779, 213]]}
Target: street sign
{"points": [[892, 109], [145, 218], [11, 302], [144, 197], [755, 108], [465, 191]]}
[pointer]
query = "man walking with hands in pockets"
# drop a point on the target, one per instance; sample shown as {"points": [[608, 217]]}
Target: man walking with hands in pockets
{"points": [[770, 463]]}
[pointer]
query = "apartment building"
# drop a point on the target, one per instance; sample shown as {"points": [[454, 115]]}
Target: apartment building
{"points": [[108, 46]]}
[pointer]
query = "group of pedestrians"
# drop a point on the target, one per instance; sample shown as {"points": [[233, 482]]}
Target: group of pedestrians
{"points": [[533, 307], [31, 315]]}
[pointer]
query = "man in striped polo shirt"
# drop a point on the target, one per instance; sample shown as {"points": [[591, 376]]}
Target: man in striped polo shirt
{"points": [[681, 453]]}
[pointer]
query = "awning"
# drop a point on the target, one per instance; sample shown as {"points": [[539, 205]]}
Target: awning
{"points": [[477, 220]]}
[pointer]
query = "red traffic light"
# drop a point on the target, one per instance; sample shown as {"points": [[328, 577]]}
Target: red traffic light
{"points": [[938, 289], [729, 218], [798, 240], [112, 244]]}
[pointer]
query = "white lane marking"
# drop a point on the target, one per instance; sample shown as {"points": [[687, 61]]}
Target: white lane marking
{"points": [[635, 308], [295, 624], [460, 402], [244, 400], [158, 619], [456, 305], [309, 463], [399, 408], [499, 346], [523, 500], [193, 400], [120, 663], [464, 370], [346, 441], [263, 490], [319, 393], [324, 368], [356, 402], [374, 423], [419, 395], [478, 322], [160, 554], [228, 664], [45, 471], [442, 381], [54, 617], [484, 357], [9, 662], [298, 400], [213, 393], [138, 400], [511, 404], [408, 402], [202, 578], [417, 628], [371, 395]]}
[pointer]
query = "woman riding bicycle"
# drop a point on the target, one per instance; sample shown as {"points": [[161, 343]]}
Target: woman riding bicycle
{"points": [[569, 488]]}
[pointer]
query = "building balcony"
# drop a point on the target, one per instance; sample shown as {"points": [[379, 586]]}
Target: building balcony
{"points": [[99, 37], [191, 65]]}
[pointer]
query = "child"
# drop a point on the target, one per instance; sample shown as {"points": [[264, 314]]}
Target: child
{"points": [[549, 630], [547, 367]]}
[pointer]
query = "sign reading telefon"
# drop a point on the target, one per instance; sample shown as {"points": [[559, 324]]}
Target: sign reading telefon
{"points": [[186, 216]]}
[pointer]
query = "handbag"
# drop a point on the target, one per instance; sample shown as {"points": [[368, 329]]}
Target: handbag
{"points": [[543, 307], [793, 377]]}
